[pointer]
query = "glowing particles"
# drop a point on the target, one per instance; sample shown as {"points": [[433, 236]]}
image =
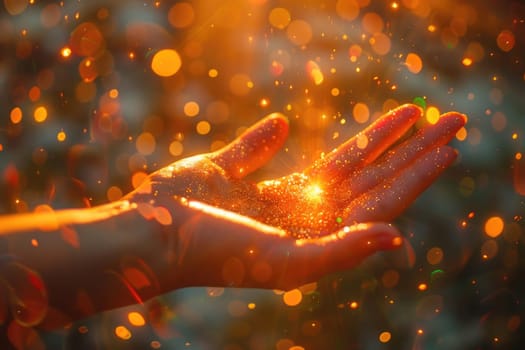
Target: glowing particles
{"points": [[15, 7], [314, 193], [203, 127], [422, 287], [279, 17], [137, 178], [166, 62], [414, 63], [372, 23], [354, 305], [299, 32], [467, 61], [347, 9], [191, 108], [314, 72], [176, 148], [240, 84], [252, 306], [292, 297], [122, 333], [61, 136], [506, 40], [114, 193], [87, 40], [434, 255], [354, 52], [432, 115], [181, 15], [40, 114], [494, 226], [385, 336], [16, 115], [489, 249], [362, 141], [361, 113], [380, 43], [145, 143], [136, 319], [213, 73]]}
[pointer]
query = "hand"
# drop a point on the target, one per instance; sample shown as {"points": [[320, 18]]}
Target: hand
{"points": [[331, 214]]}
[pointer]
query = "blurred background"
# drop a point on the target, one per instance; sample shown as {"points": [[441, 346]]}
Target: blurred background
{"points": [[96, 94]]}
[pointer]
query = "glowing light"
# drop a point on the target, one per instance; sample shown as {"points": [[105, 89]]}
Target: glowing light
{"points": [[136, 319], [494, 226], [34, 93], [113, 93], [137, 178], [40, 114], [181, 15], [264, 102], [299, 32], [176, 148], [15, 7], [252, 306], [293, 297], [434, 255], [314, 193], [461, 135], [65, 52], [361, 112], [16, 115], [122, 333], [191, 108], [422, 287], [203, 127], [372, 23], [145, 143], [384, 337], [114, 193], [362, 141], [87, 40], [213, 73], [279, 17], [61, 136], [414, 63], [354, 305], [166, 63], [506, 40], [314, 72], [380, 43], [354, 52], [431, 28], [347, 9], [432, 115], [467, 61]]}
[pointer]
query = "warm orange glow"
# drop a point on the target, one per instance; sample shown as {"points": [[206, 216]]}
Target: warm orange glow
{"points": [[122, 333], [114, 193], [40, 114], [136, 319], [380, 43], [414, 63], [506, 40], [314, 192], [422, 287], [61, 136], [299, 32], [432, 115], [34, 93], [279, 17], [191, 108], [16, 115], [138, 178], [145, 143], [166, 63], [494, 226], [434, 255], [467, 61], [203, 127], [354, 305], [181, 15], [293, 297], [385, 337], [361, 113]]}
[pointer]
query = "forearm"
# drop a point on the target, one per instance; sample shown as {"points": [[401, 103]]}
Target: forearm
{"points": [[91, 260]]}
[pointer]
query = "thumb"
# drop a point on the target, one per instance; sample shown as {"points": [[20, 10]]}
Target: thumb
{"points": [[254, 147]]}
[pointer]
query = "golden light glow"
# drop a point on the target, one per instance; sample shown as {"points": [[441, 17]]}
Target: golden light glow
{"points": [[166, 63], [122, 333], [136, 319], [385, 337], [494, 226], [314, 192], [16, 115], [293, 297], [40, 114]]}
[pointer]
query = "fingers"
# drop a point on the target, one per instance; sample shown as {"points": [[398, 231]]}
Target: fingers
{"points": [[314, 258], [365, 147], [390, 197], [254, 147], [406, 153]]}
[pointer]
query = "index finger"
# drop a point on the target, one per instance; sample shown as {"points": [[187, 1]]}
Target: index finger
{"points": [[254, 147]]}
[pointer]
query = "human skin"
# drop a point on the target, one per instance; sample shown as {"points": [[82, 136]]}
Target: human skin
{"points": [[198, 222]]}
